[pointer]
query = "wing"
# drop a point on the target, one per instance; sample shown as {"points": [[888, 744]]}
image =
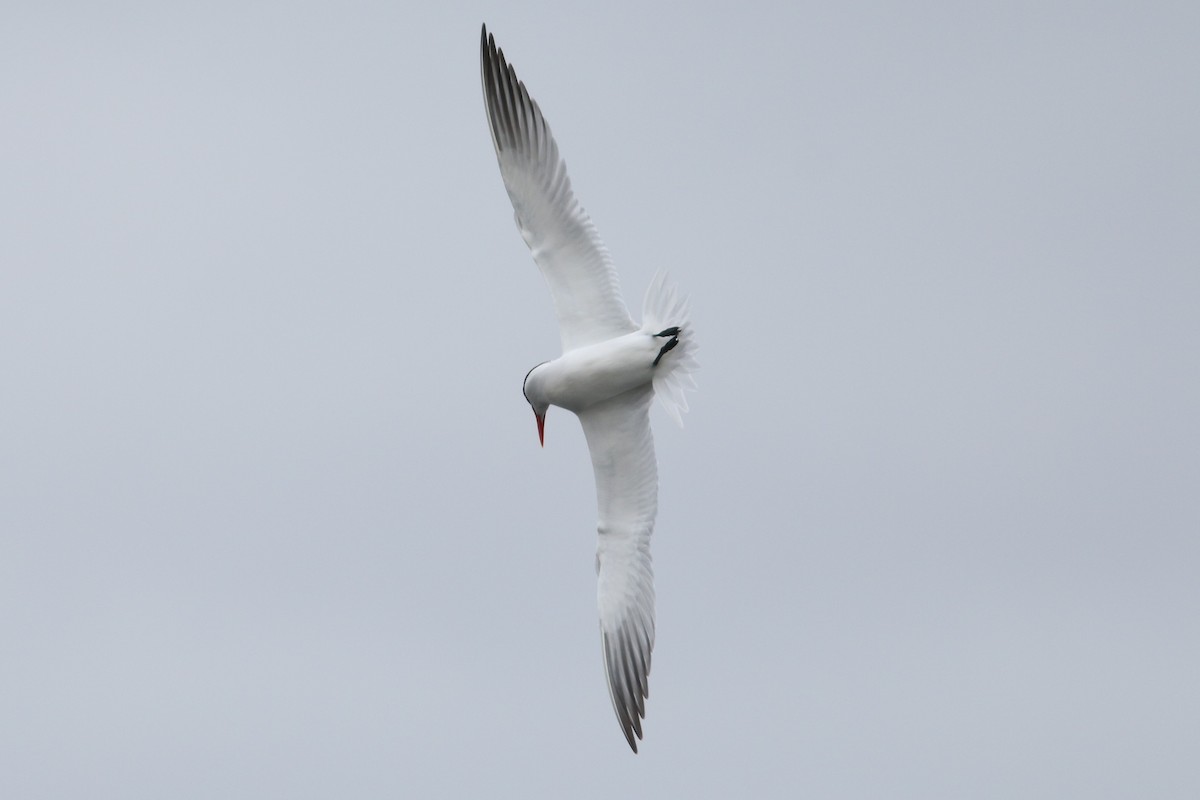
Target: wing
{"points": [[561, 236], [622, 448]]}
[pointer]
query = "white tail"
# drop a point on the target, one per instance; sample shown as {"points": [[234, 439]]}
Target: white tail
{"points": [[665, 308]]}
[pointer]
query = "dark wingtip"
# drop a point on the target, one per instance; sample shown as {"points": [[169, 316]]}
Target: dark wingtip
{"points": [[628, 730], [628, 716]]}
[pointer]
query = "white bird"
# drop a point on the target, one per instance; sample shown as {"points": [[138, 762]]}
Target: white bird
{"points": [[608, 373]]}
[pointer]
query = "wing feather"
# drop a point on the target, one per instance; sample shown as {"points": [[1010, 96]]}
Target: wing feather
{"points": [[561, 236], [622, 450]]}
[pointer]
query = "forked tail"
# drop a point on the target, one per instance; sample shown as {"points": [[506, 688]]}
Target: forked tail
{"points": [[663, 310]]}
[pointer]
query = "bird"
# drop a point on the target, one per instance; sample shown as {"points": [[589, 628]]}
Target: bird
{"points": [[609, 372]]}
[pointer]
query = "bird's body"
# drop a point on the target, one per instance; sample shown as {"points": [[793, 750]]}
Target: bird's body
{"points": [[610, 370], [580, 378]]}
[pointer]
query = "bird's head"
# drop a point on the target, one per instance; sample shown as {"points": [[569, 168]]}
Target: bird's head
{"points": [[532, 389]]}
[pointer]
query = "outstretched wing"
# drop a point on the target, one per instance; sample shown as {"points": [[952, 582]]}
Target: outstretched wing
{"points": [[622, 449], [561, 236]]}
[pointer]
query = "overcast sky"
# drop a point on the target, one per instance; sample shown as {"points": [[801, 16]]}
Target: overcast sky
{"points": [[274, 521]]}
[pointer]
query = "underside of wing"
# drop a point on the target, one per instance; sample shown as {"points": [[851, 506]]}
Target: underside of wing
{"points": [[622, 450], [561, 236]]}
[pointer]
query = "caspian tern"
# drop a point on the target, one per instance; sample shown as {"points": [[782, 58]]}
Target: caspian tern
{"points": [[609, 371]]}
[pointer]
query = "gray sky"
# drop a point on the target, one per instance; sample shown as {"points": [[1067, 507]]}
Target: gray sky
{"points": [[273, 517]]}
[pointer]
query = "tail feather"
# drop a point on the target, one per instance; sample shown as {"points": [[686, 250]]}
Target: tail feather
{"points": [[665, 307]]}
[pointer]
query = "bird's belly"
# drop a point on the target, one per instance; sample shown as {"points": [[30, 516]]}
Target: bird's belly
{"points": [[586, 376]]}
